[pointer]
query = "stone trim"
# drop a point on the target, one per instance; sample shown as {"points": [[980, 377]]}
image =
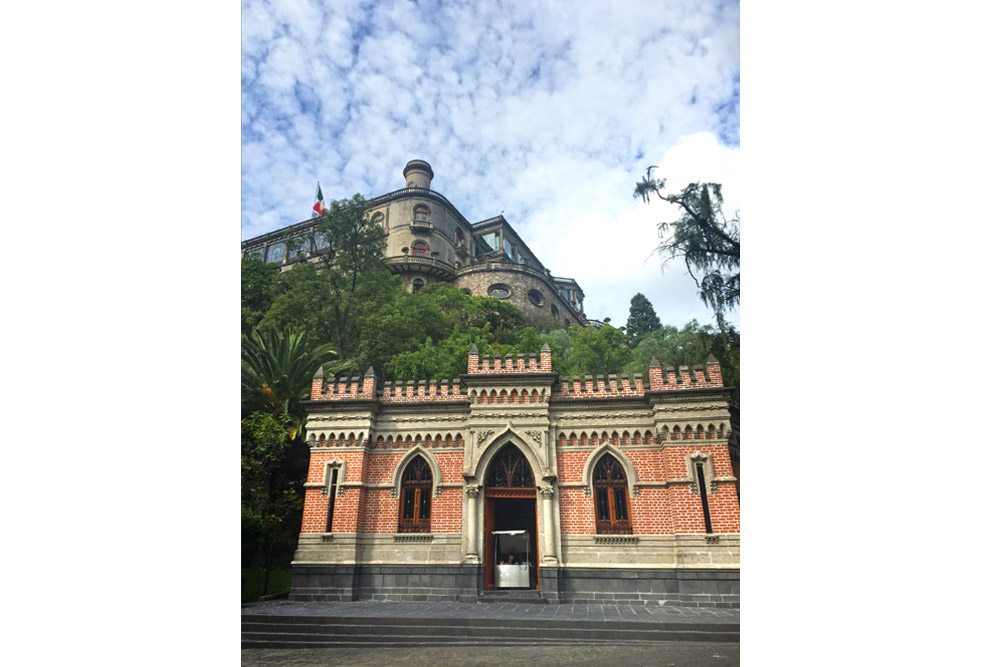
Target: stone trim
{"points": [[413, 537], [616, 539]]}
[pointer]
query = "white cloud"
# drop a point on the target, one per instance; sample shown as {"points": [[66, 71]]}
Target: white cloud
{"points": [[547, 111]]}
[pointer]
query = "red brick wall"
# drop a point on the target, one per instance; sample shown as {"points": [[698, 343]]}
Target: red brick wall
{"points": [[368, 510]]}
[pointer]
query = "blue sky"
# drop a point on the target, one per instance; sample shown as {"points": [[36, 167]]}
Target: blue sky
{"points": [[546, 111]]}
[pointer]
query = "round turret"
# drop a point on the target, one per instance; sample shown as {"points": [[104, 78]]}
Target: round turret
{"points": [[418, 174]]}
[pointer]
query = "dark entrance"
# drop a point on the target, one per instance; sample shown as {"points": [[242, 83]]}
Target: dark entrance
{"points": [[510, 505]]}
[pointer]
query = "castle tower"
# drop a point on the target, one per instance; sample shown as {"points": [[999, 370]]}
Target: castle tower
{"points": [[418, 174]]}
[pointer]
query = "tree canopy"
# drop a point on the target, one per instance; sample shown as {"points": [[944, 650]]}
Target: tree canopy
{"points": [[642, 319], [707, 241]]}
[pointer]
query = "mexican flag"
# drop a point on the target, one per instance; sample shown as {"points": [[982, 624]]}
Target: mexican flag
{"points": [[318, 206]]}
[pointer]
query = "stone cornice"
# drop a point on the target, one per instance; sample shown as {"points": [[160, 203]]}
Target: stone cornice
{"points": [[306, 225]]}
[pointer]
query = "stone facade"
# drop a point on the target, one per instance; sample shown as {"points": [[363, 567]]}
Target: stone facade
{"points": [[429, 240], [673, 531]]}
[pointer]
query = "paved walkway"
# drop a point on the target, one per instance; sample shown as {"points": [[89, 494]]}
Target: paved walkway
{"points": [[499, 610]]}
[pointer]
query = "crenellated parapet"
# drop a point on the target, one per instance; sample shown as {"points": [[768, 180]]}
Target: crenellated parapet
{"points": [[590, 387], [422, 392], [697, 378], [510, 363], [343, 388]]}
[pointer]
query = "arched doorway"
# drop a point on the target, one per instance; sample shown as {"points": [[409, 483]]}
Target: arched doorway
{"points": [[509, 492]]}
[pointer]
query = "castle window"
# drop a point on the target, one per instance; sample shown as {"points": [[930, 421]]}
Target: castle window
{"points": [[419, 249], [700, 470], [555, 311], [459, 236], [421, 214], [535, 297], [305, 248], [415, 505], [487, 243], [499, 291], [330, 489], [611, 498], [276, 254], [378, 219], [417, 284], [509, 250]]}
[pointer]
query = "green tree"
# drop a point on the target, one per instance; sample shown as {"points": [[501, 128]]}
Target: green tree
{"points": [[331, 297], [691, 346], [641, 319], [354, 258], [271, 506], [277, 371], [260, 284], [707, 241], [598, 351]]}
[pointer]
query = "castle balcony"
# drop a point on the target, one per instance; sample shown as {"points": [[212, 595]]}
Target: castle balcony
{"points": [[420, 227], [435, 268]]}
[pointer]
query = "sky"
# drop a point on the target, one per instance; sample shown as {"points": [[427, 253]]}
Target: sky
{"points": [[546, 111]]}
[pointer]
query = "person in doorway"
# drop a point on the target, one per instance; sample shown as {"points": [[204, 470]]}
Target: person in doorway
{"points": [[510, 560]]}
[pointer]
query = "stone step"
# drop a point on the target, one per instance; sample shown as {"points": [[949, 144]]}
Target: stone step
{"points": [[303, 632], [526, 596], [472, 622], [273, 643]]}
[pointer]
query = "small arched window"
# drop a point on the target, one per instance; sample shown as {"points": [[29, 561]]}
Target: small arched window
{"points": [[611, 498], [421, 214], [276, 254], [419, 249], [459, 236], [379, 220], [417, 284], [415, 504]]}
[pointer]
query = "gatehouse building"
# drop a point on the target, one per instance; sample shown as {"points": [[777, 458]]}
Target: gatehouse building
{"points": [[512, 482]]}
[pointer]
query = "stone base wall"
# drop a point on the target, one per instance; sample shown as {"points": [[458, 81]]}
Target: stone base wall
{"points": [[559, 585], [687, 588], [424, 583]]}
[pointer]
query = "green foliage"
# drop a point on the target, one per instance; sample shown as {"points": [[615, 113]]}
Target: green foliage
{"points": [[260, 284], [596, 351], [330, 299], [252, 583], [270, 504], [427, 335], [277, 372], [641, 319], [691, 346], [704, 238]]}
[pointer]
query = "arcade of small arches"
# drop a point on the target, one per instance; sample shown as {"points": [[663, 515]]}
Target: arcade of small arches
{"points": [[503, 396]]}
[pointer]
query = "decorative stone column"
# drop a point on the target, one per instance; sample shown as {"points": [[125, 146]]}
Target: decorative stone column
{"points": [[470, 526], [548, 513]]}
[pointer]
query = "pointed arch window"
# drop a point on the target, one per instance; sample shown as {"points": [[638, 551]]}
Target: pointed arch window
{"points": [[611, 498], [415, 502], [510, 470]]}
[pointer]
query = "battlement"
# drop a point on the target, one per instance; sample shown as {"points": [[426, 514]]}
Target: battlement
{"points": [[590, 387], [695, 378], [341, 388], [660, 379], [510, 364], [422, 391]]}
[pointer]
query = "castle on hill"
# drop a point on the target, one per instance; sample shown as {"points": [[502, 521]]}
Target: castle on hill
{"points": [[429, 240]]}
